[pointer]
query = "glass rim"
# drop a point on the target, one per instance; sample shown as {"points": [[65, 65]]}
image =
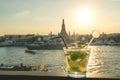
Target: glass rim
{"points": [[76, 49]]}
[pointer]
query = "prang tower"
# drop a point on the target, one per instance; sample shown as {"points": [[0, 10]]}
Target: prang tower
{"points": [[63, 32]]}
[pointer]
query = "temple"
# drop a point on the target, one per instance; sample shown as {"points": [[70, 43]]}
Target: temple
{"points": [[63, 32]]}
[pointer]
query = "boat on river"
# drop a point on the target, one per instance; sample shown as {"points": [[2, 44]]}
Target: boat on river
{"points": [[30, 51], [47, 45]]}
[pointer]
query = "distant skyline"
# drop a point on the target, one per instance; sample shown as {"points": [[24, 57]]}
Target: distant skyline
{"points": [[45, 16]]}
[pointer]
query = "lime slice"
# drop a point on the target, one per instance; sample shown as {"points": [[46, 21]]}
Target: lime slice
{"points": [[82, 69]]}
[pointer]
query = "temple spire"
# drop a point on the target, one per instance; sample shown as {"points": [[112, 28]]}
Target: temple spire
{"points": [[63, 21], [63, 32], [63, 26]]}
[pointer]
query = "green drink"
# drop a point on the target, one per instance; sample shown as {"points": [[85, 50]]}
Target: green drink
{"points": [[76, 61]]}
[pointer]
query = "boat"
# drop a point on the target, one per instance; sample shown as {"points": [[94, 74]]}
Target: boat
{"points": [[47, 45], [6, 44], [30, 51]]}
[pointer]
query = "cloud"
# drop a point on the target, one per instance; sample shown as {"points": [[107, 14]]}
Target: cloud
{"points": [[23, 14], [30, 16]]}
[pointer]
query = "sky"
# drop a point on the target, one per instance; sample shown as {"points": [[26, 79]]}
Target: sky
{"points": [[45, 16]]}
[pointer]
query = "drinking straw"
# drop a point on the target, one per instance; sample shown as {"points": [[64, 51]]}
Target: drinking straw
{"points": [[62, 40], [90, 41], [95, 34]]}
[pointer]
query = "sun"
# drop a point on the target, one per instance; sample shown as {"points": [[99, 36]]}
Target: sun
{"points": [[84, 16]]}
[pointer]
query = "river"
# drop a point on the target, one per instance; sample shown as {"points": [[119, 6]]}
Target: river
{"points": [[103, 59]]}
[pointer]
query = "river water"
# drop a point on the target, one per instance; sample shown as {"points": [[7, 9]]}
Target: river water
{"points": [[103, 59]]}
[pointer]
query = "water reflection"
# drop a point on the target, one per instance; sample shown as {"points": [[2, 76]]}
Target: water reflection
{"points": [[104, 59]]}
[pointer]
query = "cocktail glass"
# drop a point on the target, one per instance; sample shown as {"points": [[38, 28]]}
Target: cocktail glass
{"points": [[77, 61]]}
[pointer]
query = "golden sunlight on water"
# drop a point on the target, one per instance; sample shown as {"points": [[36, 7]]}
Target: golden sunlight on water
{"points": [[104, 60]]}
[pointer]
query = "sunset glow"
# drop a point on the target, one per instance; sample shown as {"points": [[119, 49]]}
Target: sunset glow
{"points": [[44, 16]]}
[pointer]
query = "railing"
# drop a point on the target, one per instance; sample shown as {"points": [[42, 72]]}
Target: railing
{"points": [[36, 75]]}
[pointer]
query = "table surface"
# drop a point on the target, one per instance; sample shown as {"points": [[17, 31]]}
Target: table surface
{"points": [[36, 75]]}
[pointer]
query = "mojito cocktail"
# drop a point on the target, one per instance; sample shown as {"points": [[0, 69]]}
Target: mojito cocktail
{"points": [[76, 61]]}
